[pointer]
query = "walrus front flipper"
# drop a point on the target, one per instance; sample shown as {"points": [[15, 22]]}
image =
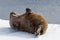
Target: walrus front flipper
{"points": [[28, 11]]}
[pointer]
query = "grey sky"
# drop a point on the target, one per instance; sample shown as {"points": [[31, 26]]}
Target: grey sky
{"points": [[50, 9]]}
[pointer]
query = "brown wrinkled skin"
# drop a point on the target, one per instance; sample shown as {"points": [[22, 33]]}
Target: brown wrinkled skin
{"points": [[28, 22]]}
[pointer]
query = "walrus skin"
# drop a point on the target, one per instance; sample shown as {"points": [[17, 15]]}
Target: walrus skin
{"points": [[29, 22]]}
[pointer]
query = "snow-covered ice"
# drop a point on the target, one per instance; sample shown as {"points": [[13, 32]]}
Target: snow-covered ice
{"points": [[6, 33]]}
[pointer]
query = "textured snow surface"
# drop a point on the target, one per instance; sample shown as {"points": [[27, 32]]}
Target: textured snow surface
{"points": [[6, 33]]}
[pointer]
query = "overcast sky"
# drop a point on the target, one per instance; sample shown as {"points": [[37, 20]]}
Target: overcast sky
{"points": [[50, 9]]}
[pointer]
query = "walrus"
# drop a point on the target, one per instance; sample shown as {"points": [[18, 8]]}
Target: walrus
{"points": [[29, 22]]}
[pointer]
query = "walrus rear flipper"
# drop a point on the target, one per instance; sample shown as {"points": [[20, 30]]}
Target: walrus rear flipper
{"points": [[12, 14]]}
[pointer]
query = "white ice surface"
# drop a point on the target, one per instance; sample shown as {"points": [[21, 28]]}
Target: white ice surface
{"points": [[6, 33]]}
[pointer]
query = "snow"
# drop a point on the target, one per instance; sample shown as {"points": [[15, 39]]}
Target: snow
{"points": [[6, 33]]}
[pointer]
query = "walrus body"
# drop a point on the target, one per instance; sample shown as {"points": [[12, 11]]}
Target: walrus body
{"points": [[28, 22]]}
